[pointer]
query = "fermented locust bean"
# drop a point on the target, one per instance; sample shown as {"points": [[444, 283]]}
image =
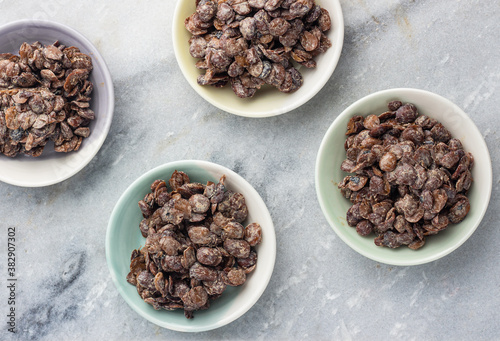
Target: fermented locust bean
{"points": [[237, 42], [195, 244], [411, 177]]}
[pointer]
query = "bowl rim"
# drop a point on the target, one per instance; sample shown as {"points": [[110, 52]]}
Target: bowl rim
{"points": [[287, 106], [108, 86], [399, 92], [270, 235]]}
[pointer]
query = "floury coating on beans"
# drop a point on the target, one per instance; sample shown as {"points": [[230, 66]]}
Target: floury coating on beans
{"points": [[195, 245], [44, 96], [249, 43], [411, 177]]}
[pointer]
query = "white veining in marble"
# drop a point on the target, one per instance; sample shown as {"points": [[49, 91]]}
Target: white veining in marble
{"points": [[320, 289]]}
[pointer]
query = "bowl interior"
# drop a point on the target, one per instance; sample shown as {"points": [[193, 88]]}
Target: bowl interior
{"points": [[52, 167], [123, 236], [268, 101], [328, 175]]}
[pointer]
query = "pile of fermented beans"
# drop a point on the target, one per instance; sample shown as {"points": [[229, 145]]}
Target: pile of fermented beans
{"points": [[44, 96], [411, 177], [195, 245], [249, 43]]}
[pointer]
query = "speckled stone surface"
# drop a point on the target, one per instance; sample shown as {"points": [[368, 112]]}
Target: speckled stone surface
{"points": [[320, 289]]}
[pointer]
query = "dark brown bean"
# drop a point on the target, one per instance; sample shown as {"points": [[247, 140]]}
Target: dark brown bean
{"points": [[172, 263], [178, 179], [201, 235], [413, 133], [464, 181], [324, 21], [405, 174], [364, 228], [206, 10], [257, 3], [146, 280], [225, 12], [195, 298], [208, 256], [249, 262], [278, 27], [440, 221], [459, 210], [188, 257], [407, 113], [236, 277], [355, 125], [423, 157], [313, 14], [440, 133], [388, 162], [170, 245], [425, 122], [371, 121], [309, 41], [233, 230], [202, 273], [199, 203], [215, 288], [353, 215], [387, 115], [237, 247], [356, 182], [394, 105], [248, 28], [253, 234]]}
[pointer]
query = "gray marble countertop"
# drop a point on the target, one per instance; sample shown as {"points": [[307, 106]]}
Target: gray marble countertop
{"points": [[320, 289]]}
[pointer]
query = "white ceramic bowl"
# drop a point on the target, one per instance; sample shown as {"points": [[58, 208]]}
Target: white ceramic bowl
{"points": [[334, 205], [267, 101], [52, 167], [123, 236]]}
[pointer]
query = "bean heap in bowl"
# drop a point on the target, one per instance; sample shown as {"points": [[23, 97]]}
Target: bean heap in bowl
{"points": [[195, 245], [249, 43], [44, 96], [411, 177]]}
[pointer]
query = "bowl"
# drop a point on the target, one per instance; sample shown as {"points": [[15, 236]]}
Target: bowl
{"points": [[267, 101], [123, 236], [52, 167], [328, 174]]}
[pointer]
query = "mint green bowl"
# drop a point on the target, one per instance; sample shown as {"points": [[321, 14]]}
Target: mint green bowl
{"points": [[123, 236], [328, 174]]}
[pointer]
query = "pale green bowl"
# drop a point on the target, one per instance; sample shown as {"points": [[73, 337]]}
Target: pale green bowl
{"points": [[123, 236], [328, 174]]}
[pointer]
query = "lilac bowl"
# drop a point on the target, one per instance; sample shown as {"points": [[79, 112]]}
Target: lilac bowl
{"points": [[52, 167]]}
